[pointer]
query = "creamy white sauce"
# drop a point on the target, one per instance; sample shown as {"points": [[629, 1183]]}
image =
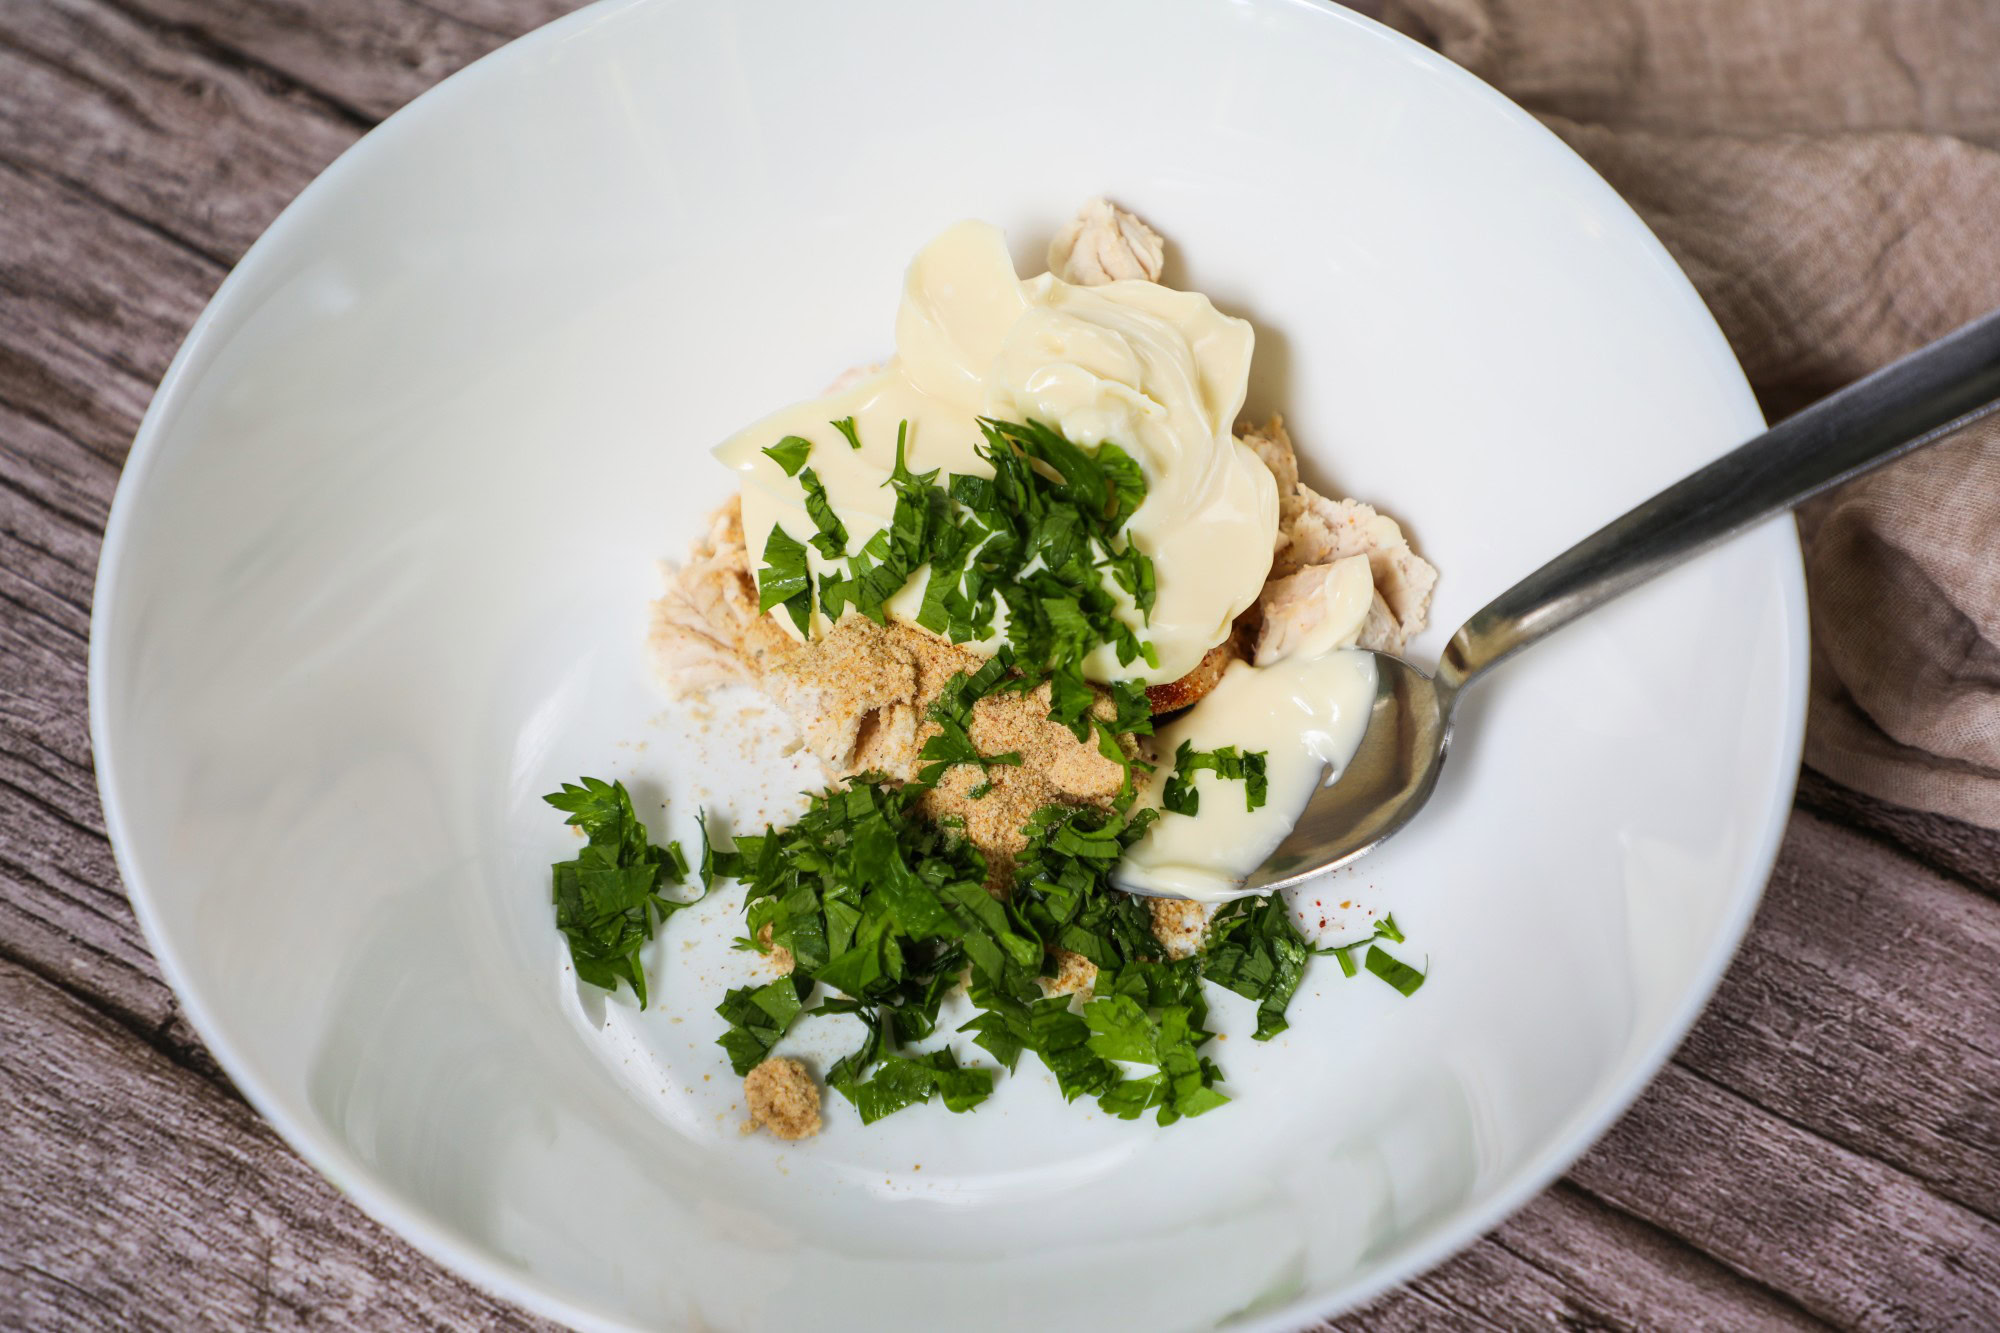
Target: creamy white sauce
{"points": [[1158, 372], [1306, 708], [1306, 713]]}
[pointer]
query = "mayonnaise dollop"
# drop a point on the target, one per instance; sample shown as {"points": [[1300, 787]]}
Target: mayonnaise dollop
{"points": [[1306, 711], [1161, 373]]}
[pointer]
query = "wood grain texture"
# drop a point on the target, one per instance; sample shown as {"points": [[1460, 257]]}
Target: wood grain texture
{"points": [[1568, 1260], [1962, 851], [365, 57], [93, 305], [1864, 1009], [1825, 1150], [145, 121], [1842, 1235]]}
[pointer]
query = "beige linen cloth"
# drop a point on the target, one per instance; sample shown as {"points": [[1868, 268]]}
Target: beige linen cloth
{"points": [[1828, 173]]}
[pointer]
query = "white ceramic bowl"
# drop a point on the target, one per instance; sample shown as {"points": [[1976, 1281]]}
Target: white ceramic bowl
{"points": [[376, 573]]}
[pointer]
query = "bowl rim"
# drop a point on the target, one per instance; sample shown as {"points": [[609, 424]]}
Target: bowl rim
{"points": [[441, 1243]]}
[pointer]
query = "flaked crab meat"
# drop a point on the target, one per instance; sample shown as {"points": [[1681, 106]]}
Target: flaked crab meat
{"points": [[1314, 531], [1331, 530], [706, 631], [1103, 243]]}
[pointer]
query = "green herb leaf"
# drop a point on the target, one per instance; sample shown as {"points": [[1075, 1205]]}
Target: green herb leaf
{"points": [[716, 862], [952, 711], [896, 1083], [831, 540], [1385, 929], [872, 962], [901, 1081], [607, 899], [790, 453], [1254, 949], [959, 1089], [784, 580], [1397, 973], [1182, 797], [758, 1016], [1044, 537], [1120, 1030], [1001, 1026], [1062, 1040], [1190, 1078], [1071, 699], [1130, 1098], [852, 1067], [846, 427]]}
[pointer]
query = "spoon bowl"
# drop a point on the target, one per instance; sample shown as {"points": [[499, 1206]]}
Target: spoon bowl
{"points": [[1391, 775]]}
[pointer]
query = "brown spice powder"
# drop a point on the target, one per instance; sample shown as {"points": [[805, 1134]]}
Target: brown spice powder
{"points": [[781, 1097]]}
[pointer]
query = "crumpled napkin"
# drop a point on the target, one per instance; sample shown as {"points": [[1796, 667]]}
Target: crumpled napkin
{"points": [[1828, 173]]}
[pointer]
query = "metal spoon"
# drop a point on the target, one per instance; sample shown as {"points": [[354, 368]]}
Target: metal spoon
{"points": [[1900, 408]]}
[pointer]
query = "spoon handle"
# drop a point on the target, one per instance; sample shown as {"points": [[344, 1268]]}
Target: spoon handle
{"points": [[1902, 407]]}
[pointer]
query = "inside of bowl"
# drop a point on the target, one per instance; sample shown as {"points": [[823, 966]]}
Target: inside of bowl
{"points": [[379, 580]]}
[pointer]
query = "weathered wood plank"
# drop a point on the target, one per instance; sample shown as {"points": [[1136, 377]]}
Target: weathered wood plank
{"points": [[136, 1197], [1625, 1272], [62, 908], [1844, 1237], [1864, 1008], [374, 57], [95, 305], [1946, 845], [148, 121], [1569, 1261], [67, 484], [91, 307]]}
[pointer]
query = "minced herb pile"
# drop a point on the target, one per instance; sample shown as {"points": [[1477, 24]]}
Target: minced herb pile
{"points": [[883, 911], [1043, 538]]}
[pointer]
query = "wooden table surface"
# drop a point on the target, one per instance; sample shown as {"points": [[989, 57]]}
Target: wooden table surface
{"points": [[1823, 1150]]}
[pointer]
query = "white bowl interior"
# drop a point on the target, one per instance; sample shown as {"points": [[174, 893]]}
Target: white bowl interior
{"points": [[377, 573]]}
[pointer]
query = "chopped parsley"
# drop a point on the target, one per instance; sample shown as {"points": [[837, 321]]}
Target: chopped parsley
{"points": [[784, 580], [1255, 949], [1043, 539], [886, 912], [790, 453], [906, 1080], [1378, 961], [1392, 970], [890, 912], [608, 899], [831, 540], [1182, 797], [758, 1016]]}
